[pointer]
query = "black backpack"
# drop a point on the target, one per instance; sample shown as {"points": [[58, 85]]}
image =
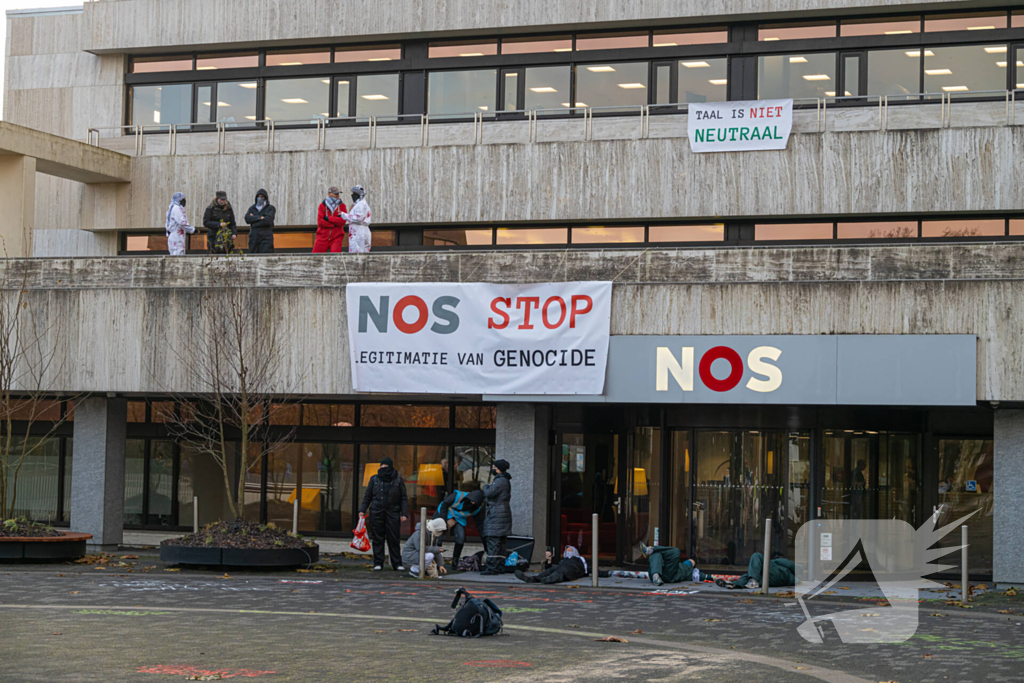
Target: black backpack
{"points": [[473, 619]]}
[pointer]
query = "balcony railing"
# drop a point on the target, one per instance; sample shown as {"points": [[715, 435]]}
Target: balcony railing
{"points": [[484, 127]]}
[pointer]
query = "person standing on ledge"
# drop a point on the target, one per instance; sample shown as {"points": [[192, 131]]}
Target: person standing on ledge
{"points": [[388, 504], [221, 228], [498, 518], [330, 226], [260, 218], [358, 222], [177, 225]]}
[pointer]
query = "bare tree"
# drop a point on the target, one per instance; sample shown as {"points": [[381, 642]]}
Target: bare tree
{"points": [[232, 356], [33, 354]]}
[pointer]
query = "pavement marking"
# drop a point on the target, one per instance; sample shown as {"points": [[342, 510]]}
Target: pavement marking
{"points": [[821, 673]]}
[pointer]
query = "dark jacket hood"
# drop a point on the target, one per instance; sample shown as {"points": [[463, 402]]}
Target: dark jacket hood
{"points": [[261, 192]]}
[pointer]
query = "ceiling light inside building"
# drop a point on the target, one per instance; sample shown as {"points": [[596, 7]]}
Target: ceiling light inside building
{"points": [[545, 88], [772, 38], [342, 82], [251, 118], [694, 65], [375, 97], [379, 59], [980, 28], [327, 81], [798, 60], [562, 49], [206, 68], [578, 104], [938, 72], [290, 64], [632, 86], [600, 69], [484, 107], [917, 53], [995, 49], [955, 88], [156, 117], [830, 93], [719, 81], [223, 104], [292, 100], [817, 77], [897, 33], [472, 54], [248, 86], [666, 44]]}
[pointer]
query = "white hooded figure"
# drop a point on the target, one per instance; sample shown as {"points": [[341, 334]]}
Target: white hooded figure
{"points": [[177, 225], [358, 222]]}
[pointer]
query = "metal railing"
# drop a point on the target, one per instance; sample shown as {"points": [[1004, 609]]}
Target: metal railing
{"points": [[533, 117]]}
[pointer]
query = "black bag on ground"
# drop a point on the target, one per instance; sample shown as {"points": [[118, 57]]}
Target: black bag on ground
{"points": [[474, 618]]}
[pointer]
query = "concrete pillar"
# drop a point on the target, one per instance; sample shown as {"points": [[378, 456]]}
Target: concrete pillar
{"points": [[1008, 489], [18, 197], [521, 437], [97, 480]]}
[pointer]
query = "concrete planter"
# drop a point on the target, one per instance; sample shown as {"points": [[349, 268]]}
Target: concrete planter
{"points": [[239, 557], [67, 546]]}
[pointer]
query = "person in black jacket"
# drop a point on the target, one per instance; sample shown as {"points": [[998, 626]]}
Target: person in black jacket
{"points": [[386, 501], [221, 228], [498, 518], [260, 218], [571, 567]]}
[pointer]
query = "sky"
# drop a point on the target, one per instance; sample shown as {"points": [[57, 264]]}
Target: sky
{"points": [[21, 4]]}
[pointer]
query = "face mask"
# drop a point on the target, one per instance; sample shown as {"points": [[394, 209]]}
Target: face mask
{"points": [[355, 198], [183, 202]]}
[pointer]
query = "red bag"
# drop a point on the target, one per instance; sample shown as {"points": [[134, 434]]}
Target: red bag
{"points": [[360, 542]]}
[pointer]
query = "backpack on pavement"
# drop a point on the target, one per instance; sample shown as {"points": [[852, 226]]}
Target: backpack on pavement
{"points": [[474, 618]]}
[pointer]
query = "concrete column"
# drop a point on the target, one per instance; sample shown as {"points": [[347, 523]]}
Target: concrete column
{"points": [[18, 197], [1008, 488], [521, 437], [97, 480]]}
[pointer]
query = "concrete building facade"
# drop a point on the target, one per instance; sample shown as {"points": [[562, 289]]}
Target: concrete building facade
{"points": [[524, 145]]}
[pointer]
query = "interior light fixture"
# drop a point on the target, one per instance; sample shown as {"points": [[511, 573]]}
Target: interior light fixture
{"points": [[339, 82], [847, 93], [325, 115], [290, 64], [938, 72], [817, 77], [484, 107], [545, 88], [917, 53], [578, 104], [328, 81], [248, 86], [772, 38], [600, 69], [472, 54], [897, 33], [206, 104], [251, 118], [830, 93], [375, 97], [955, 88], [980, 28], [1001, 64], [719, 81], [379, 59], [798, 60], [156, 117], [995, 49], [632, 86], [694, 65], [562, 49], [206, 68], [289, 100], [666, 44]]}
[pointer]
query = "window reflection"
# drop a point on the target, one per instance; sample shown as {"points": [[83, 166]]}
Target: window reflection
{"points": [[233, 61], [461, 92], [420, 466], [475, 417], [463, 48], [452, 238], [603, 234], [875, 27], [793, 231], [796, 31], [343, 101], [328, 415], [376, 95], [796, 76], [530, 45], [381, 53], [1016, 226], [612, 41], [404, 415], [518, 236], [298, 99], [298, 58], [145, 65], [1017, 19], [161, 104], [607, 85], [671, 38], [319, 476], [969, 228], [977, 21], [703, 80], [686, 233], [878, 230], [547, 87], [894, 72], [236, 103], [383, 238], [293, 240], [968, 67]]}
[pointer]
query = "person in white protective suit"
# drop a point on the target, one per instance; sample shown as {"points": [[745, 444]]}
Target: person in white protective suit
{"points": [[358, 222], [177, 225]]}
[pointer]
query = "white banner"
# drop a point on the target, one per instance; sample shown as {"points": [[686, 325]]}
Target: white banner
{"points": [[740, 126], [477, 338]]}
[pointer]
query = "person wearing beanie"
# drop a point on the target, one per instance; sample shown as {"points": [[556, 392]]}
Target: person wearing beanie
{"points": [[498, 517], [330, 226], [388, 505], [433, 559], [455, 511], [221, 228]]}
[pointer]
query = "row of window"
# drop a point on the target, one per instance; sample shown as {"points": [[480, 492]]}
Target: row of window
{"points": [[899, 73], [299, 241]]}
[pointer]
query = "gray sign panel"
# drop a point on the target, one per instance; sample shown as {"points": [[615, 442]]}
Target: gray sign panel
{"points": [[907, 370]]}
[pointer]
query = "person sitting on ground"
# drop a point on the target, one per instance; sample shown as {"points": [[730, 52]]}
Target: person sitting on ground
{"points": [[664, 565], [781, 572], [455, 510], [570, 568], [433, 559]]}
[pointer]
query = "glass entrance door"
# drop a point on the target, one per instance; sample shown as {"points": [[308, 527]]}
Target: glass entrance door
{"points": [[588, 476], [871, 475]]}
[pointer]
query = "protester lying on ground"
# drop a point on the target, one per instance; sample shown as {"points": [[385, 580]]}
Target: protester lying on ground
{"points": [[433, 559], [665, 567], [221, 228], [260, 218], [177, 225], [781, 572], [570, 568], [455, 510], [358, 218], [330, 226]]}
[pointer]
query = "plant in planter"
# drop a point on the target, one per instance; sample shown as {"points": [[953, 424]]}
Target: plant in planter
{"points": [[240, 543]]}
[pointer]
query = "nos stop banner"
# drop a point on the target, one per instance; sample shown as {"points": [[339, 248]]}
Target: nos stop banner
{"points": [[478, 338]]}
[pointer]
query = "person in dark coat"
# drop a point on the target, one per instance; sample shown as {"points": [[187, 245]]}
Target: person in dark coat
{"points": [[388, 505], [571, 567], [260, 218], [221, 228], [498, 517]]}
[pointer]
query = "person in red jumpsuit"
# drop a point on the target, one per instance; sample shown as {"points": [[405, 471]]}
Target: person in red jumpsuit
{"points": [[330, 226]]}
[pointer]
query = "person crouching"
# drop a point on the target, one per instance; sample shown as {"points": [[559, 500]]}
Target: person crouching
{"points": [[433, 559]]}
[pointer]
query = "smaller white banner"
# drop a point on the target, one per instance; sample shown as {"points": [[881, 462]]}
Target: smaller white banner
{"points": [[740, 126]]}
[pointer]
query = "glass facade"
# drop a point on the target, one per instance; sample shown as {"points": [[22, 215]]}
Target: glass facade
{"points": [[461, 92], [611, 85], [547, 87], [155, 105], [965, 68], [702, 80], [236, 103], [298, 99], [796, 76], [376, 95], [894, 72]]}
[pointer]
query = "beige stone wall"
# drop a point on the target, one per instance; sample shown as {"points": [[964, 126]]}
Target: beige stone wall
{"points": [[132, 310]]}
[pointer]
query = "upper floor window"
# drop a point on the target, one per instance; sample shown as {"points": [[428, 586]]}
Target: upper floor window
{"points": [[379, 53], [796, 31], [231, 61], [701, 36], [613, 41], [796, 76], [298, 58], [463, 48], [877, 27], [145, 65], [155, 105], [975, 21], [532, 45], [461, 92], [298, 99], [608, 85]]}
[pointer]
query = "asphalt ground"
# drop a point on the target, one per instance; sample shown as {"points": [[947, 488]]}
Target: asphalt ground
{"points": [[133, 620]]}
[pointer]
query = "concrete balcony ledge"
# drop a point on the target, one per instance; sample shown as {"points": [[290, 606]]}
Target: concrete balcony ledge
{"points": [[999, 261]]}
